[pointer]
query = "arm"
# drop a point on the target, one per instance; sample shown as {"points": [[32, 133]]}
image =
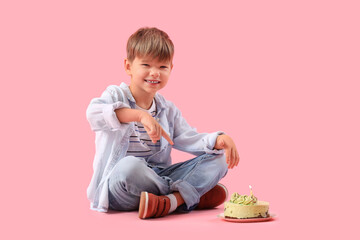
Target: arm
{"points": [[126, 115], [151, 126], [110, 113], [187, 139], [101, 111]]}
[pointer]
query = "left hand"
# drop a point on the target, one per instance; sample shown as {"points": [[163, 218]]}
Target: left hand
{"points": [[231, 153]]}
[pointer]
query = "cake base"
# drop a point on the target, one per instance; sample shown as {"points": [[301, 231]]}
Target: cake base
{"points": [[245, 220], [238, 211], [260, 216]]}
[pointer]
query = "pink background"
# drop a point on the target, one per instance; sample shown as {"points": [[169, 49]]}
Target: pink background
{"points": [[280, 77]]}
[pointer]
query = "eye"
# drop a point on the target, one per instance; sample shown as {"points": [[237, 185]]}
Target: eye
{"points": [[146, 65], [163, 67]]}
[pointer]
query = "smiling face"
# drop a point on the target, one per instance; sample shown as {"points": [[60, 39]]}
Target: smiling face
{"points": [[147, 75]]}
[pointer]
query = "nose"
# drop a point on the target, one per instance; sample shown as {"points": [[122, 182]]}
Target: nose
{"points": [[155, 74]]}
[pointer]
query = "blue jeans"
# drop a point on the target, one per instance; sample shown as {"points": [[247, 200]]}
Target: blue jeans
{"points": [[192, 178]]}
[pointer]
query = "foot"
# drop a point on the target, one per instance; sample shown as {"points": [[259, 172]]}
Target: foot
{"points": [[153, 206], [213, 198]]}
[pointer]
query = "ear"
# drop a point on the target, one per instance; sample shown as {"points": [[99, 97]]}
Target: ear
{"points": [[172, 65], [127, 66]]}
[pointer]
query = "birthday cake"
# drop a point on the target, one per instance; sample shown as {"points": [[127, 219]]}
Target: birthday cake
{"points": [[243, 206]]}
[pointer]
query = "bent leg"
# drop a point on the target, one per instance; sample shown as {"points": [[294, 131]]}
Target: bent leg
{"points": [[197, 176], [129, 178]]}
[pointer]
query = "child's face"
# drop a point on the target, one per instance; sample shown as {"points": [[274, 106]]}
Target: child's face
{"points": [[147, 74]]}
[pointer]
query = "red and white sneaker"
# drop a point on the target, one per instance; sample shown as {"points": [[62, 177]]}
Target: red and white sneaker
{"points": [[213, 198], [153, 206]]}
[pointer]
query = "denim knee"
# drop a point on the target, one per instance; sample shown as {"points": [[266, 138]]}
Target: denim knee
{"points": [[126, 170], [222, 165]]}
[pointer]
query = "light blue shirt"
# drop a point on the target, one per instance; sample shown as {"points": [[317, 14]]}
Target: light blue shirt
{"points": [[112, 138]]}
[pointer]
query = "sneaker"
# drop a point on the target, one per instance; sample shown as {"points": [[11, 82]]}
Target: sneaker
{"points": [[153, 206], [213, 198]]}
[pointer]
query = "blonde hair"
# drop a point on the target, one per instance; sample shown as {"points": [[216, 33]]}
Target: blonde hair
{"points": [[150, 42]]}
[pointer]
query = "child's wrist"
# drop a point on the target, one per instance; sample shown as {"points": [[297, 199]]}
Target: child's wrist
{"points": [[141, 115], [217, 142]]}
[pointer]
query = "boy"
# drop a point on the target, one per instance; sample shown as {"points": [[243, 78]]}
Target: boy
{"points": [[136, 129]]}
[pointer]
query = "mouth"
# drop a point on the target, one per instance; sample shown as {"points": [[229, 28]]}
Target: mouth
{"points": [[152, 81]]}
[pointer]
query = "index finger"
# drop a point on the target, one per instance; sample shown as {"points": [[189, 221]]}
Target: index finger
{"points": [[166, 136]]}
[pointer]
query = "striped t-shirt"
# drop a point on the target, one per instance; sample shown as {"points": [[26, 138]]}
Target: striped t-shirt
{"points": [[140, 142]]}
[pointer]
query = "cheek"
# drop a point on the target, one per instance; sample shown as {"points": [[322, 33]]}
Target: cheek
{"points": [[141, 73], [165, 75]]}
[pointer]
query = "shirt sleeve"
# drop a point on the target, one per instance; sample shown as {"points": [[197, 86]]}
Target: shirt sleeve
{"points": [[187, 139], [101, 111]]}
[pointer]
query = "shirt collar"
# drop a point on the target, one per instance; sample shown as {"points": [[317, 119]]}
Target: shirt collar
{"points": [[160, 101]]}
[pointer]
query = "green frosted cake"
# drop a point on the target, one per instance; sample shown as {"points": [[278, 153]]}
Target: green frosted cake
{"points": [[243, 206]]}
